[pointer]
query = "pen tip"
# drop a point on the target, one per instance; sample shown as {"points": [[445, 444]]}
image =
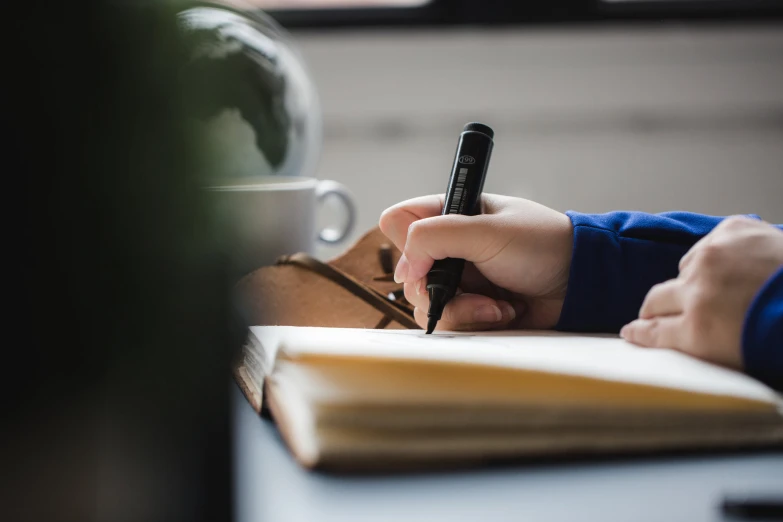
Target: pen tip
{"points": [[431, 325]]}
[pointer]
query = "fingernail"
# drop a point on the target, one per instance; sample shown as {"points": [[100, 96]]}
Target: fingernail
{"points": [[487, 314], [402, 270], [624, 331], [508, 311], [420, 287]]}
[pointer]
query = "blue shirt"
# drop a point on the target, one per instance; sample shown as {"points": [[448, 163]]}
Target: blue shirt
{"points": [[619, 256]]}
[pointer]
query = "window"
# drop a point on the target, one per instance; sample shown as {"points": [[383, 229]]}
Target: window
{"points": [[324, 13], [333, 4]]}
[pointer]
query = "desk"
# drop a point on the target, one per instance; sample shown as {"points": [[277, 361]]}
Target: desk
{"points": [[271, 487]]}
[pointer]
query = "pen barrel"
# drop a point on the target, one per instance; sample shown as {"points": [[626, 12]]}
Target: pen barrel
{"points": [[446, 274], [463, 195]]}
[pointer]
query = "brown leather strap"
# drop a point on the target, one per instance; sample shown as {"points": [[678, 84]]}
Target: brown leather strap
{"points": [[394, 310], [383, 323]]}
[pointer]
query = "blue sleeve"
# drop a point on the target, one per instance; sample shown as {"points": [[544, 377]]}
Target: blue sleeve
{"points": [[762, 334], [617, 257]]}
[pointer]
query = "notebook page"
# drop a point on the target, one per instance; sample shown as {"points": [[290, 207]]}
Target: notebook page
{"points": [[593, 356]]}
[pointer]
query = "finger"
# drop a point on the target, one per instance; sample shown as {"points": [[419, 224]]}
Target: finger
{"points": [[439, 237], [728, 225], [659, 332], [395, 220], [416, 293], [472, 283], [663, 299], [470, 312]]}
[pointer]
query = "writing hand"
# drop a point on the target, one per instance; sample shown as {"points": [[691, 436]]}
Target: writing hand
{"points": [[518, 257]]}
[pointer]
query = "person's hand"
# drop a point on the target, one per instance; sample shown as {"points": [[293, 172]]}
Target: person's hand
{"points": [[702, 311], [518, 253]]}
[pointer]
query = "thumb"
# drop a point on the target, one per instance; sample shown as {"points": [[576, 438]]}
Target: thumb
{"points": [[471, 238]]}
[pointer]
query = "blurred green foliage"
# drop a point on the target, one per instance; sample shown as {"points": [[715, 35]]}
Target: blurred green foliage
{"points": [[120, 300]]}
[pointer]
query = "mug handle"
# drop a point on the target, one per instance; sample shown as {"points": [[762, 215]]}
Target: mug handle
{"points": [[326, 188]]}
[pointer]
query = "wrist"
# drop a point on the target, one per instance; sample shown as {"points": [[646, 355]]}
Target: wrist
{"points": [[610, 273], [564, 255]]}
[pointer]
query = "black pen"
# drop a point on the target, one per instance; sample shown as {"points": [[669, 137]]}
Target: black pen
{"points": [[463, 196], [769, 506]]}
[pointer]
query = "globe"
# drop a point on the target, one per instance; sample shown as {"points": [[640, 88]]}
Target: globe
{"points": [[259, 110]]}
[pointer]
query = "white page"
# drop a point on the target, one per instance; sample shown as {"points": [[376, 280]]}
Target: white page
{"points": [[595, 356]]}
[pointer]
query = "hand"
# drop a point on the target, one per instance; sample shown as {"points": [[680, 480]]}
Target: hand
{"points": [[518, 257], [702, 311]]}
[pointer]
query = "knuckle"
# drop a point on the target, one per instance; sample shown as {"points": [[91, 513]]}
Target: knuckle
{"points": [[649, 300], [415, 231], [656, 290], [648, 334], [684, 260], [710, 256], [737, 222], [694, 298], [387, 216]]}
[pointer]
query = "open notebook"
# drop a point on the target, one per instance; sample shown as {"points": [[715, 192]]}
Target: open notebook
{"points": [[378, 399]]}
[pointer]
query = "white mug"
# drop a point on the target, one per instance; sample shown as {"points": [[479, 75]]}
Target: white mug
{"points": [[272, 216]]}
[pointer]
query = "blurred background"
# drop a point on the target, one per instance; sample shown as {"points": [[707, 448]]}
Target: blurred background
{"points": [[597, 105]]}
